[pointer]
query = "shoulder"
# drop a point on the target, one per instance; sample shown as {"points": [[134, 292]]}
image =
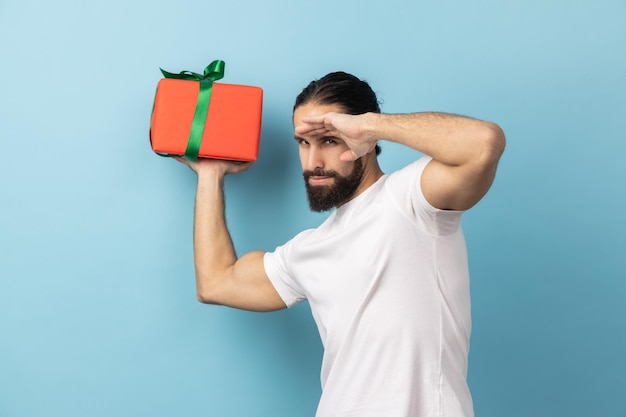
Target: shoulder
{"points": [[407, 179], [299, 239], [404, 188]]}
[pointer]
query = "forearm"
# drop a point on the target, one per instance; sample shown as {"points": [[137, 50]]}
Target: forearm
{"points": [[214, 253], [450, 139]]}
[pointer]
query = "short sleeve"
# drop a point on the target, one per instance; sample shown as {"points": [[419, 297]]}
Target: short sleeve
{"points": [[404, 187], [276, 267]]}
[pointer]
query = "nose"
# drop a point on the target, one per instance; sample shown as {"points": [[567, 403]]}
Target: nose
{"points": [[313, 158]]}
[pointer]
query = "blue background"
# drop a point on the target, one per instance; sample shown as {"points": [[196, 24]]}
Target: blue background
{"points": [[98, 315]]}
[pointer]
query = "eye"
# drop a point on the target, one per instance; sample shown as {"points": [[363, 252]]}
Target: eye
{"points": [[302, 142], [330, 141]]}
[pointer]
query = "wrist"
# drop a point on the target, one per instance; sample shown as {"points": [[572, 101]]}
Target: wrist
{"points": [[371, 126], [210, 173]]}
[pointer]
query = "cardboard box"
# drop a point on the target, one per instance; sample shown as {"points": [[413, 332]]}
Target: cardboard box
{"points": [[233, 123]]}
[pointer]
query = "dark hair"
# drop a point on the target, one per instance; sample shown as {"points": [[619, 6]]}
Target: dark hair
{"points": [[353, 95]]}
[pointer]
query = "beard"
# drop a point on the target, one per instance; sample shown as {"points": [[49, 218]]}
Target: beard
{"points": [[325, 197]]}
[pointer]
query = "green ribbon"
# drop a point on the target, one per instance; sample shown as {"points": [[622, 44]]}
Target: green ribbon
{"points": [[213, 72]]}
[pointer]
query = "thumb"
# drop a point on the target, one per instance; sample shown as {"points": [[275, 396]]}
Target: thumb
{"points": [[182, 160], [349, 155]]}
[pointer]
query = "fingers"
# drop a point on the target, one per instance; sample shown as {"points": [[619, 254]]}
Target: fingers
{"points": [[237, 167], [316, 130], [311, 130], [182, 160], [320, 119], [315, 125], [222, 166]]}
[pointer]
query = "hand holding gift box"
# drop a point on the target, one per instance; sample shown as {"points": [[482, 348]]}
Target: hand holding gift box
{"points": [[197, 117]]}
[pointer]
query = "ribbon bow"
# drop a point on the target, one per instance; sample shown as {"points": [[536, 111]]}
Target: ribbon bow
{"points": [[213, 72]]}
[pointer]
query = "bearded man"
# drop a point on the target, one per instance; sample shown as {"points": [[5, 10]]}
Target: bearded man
{"points": [[386, 275]]}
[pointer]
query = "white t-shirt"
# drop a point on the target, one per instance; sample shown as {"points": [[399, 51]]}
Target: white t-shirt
{"points": [[387, 280]]}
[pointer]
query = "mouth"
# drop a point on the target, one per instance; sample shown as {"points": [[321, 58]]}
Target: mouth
{"points": [[319, 180]]}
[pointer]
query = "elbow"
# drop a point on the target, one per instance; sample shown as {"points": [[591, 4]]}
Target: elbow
{"points": [[487, 149], [496, 140], [492, 145], [205, 292], [203, 298]]}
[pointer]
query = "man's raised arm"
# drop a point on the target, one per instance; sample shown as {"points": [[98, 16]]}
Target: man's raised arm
{"points": [[221, 278], [465, 151]]}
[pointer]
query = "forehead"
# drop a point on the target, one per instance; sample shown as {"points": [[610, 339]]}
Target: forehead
{"points": [[314, 109]]}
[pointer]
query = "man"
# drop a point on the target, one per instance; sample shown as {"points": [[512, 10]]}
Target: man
{"points": [[386, 274]]}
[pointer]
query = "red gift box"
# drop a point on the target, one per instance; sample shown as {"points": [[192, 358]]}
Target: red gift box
{"points": [[230, 129]]}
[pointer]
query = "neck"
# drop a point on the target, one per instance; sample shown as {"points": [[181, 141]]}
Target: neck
{"points": [[371, 174]]}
